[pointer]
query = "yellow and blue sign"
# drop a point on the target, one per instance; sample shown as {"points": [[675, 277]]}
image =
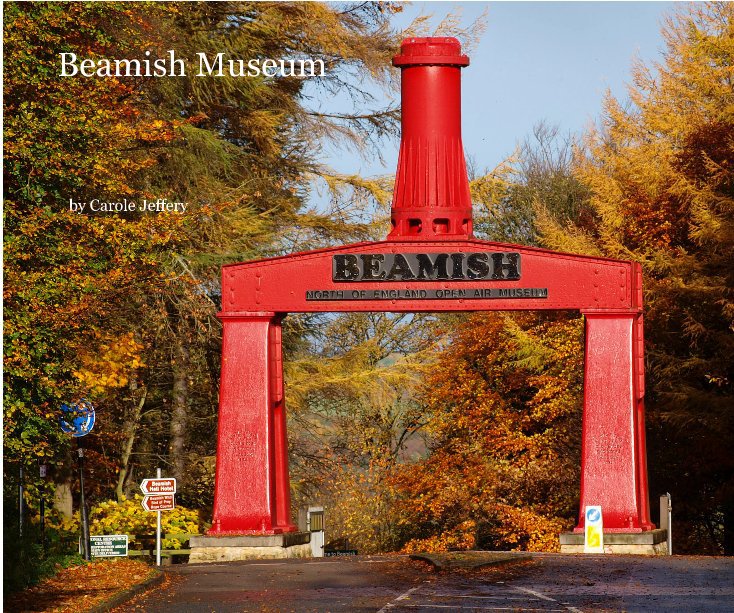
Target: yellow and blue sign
{"points": [[594, 530]]}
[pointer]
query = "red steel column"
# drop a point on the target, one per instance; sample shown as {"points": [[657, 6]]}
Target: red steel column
{"points": [[638, 358], [638, 364], [613, 460], [244, 491], [280, 436]]}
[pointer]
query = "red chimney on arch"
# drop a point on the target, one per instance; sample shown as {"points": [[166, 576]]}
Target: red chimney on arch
{"points": [[431, 199]]}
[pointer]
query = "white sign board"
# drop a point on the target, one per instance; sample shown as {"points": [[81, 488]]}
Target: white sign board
{"points": [[158, 486], [164, 502], [593, 530]]}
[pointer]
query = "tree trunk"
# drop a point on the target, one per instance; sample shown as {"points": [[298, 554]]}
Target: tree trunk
{"points": [[179, 408], [63, 497], [131, 429]]}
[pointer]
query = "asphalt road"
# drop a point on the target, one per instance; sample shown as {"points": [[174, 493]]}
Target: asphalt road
{"points": [[546, 582]]}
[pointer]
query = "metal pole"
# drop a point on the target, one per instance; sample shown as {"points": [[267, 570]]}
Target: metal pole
{"points": [[43, 525], [21, 504], [670, 524], [158, 529], [42, 472], [82, 504]]}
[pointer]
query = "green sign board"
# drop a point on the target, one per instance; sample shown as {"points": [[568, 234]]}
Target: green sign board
{"points": [[108, 545]]}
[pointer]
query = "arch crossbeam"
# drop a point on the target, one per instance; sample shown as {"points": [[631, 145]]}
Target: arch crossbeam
{"points": [[453, 274]]}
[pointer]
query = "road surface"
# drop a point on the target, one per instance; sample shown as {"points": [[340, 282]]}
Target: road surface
{"points": [[389, 584]]}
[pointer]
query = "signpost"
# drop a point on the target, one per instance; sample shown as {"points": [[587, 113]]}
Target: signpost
{"points": [[78, 420], [109, 545], [159, 496], [594, 530], [164, 502]]}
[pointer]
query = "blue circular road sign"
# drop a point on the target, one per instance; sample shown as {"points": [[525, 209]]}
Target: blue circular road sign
{"points": [[592, 515], [77, 418]]}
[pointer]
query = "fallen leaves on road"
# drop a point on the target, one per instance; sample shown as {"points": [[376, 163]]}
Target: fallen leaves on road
{"points": [[78, 588], [468, 559]]}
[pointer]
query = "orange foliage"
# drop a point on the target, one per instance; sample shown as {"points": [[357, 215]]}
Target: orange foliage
{"points": [[504, 401]]}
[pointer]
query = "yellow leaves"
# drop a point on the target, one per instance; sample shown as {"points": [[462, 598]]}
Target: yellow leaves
{"points": [[463, 537], [156, 131], [379, 189], [363, 507], [529, 530], [562, 238], [129, 517], [656, 162], [110, 363], [492, 188]]}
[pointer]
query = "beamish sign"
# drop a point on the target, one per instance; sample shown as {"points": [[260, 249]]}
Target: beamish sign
{"points": [[426, 267]]}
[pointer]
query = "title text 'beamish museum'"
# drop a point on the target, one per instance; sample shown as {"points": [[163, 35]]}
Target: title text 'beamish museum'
{"points": [[171, 66]]}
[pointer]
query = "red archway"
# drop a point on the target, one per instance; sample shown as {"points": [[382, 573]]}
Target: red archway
{"points": [[430, 262]]}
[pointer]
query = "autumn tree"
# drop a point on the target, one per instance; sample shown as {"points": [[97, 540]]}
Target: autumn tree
{"points": [[260, 138], [503, 409], [68, 276], [352, 398], [662, 193], [538, 174], [71, 281], [121, 307]]}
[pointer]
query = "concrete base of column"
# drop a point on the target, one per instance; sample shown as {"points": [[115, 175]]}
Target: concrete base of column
{"points": [[254, 547], [651, 542]]}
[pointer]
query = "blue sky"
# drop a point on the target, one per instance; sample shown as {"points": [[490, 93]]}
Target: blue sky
{"points": [[536, 61]]}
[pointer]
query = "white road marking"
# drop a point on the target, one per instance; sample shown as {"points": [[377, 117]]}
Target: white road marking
{"points": [[402, 596], [548, 598], [465, 607], [455, 608], [534, 593], [489, 597], [408, 593]]}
